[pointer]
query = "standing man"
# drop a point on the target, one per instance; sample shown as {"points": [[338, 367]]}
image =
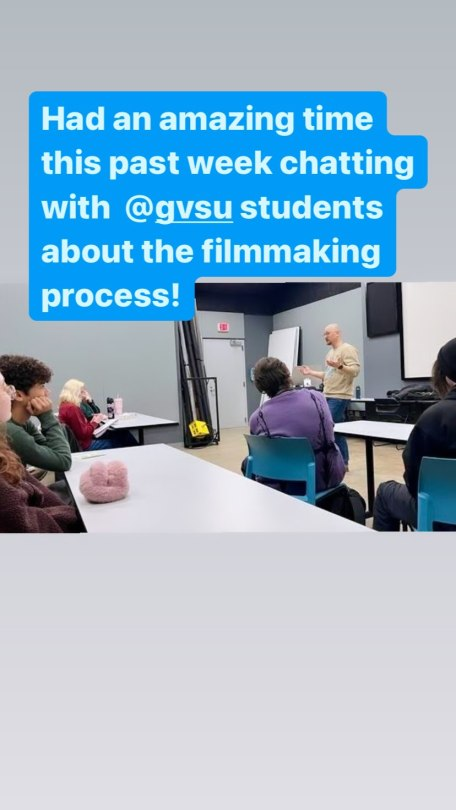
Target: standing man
{"points": [[342, 363]]}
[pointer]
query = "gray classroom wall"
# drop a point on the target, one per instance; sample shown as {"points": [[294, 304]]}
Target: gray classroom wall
{"points": [[208, 321], [382, 365], [346, 309], [380, 357], [136, 360], [257, 331], [254, 329]]}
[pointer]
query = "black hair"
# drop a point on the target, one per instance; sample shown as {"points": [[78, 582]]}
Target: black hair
{"points": [[23, 372]]}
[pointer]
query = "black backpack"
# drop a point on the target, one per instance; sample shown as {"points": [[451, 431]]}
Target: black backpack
{"points": [[346, 502], [414, 392]]}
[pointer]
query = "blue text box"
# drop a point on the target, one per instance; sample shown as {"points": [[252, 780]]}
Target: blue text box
{"points": [[135, 195]]}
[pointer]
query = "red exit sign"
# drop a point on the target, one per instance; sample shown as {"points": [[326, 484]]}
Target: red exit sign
{"points": [[223, 327]]}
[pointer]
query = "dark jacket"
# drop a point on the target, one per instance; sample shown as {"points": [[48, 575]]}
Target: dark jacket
{"points": [[89, 408], [31, 507], [433, 435]]}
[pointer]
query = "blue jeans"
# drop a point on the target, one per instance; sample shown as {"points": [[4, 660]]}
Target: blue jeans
{"points": [[114, 439], [338, 408]]}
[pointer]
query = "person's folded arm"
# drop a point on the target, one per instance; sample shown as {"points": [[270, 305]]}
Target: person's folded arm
{"points": [[416, 448], [351, 369], [51, 451], [81, 427], [48, 451]]}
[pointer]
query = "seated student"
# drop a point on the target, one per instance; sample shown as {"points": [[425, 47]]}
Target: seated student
{"points": [[47, 448], [88, 406], [26, 505], [71, 414], [297, 412], [434, 434]]}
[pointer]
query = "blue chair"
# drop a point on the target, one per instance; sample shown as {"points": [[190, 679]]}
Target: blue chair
{"points": [[284, 459], [436, 493]]}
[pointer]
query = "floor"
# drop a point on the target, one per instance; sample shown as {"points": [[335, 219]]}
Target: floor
{"points": [[387, 459]]}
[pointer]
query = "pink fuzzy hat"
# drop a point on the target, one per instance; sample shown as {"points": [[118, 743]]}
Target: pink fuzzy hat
{"points": [[103, 483]]}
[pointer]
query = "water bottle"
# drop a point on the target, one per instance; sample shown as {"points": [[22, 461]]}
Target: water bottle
{"points": [[118, 406], [110, 408], [358, 392]]}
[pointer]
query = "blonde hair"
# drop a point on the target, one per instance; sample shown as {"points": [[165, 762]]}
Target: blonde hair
{"points": [[72, 392]]}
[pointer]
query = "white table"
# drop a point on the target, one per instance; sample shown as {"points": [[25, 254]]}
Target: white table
{"points": [[140, 421], [174, 491], [370, 431]]}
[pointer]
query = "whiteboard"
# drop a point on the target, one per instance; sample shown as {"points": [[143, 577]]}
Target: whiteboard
{"points": [[284, 344], [428, 322]]}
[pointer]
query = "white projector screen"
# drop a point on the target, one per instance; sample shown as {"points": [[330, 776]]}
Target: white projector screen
{"points": [[428, 321]]}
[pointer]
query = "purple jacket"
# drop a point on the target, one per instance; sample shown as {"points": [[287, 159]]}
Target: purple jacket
{"points": [[300, 412]]}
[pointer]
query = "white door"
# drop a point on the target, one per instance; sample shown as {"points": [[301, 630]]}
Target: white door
{"points": [[225, 359]]}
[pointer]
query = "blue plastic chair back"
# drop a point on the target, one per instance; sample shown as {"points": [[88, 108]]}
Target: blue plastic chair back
{"points": [[436, 492], [282, 459]]}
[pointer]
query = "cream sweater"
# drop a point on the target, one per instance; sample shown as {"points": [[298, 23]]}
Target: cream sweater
{"points": [[339, 383]]}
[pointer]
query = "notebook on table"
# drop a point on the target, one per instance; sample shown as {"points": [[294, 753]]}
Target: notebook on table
{"points": [[101, 429]]}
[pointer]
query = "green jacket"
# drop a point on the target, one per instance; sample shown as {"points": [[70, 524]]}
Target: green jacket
{"points": [[47, 449], [89, 409]]}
